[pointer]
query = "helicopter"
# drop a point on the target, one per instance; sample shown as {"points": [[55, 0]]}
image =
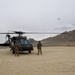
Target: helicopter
{"points": [[24, 43]]}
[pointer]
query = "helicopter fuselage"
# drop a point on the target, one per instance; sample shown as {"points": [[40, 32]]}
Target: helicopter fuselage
{"points": [[24, 44]]}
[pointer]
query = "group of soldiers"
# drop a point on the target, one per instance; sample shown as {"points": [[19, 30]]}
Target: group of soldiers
{"points": [[39, 47]]}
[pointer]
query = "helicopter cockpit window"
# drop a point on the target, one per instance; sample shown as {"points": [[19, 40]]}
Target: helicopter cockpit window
{"points": [[22, 41]]}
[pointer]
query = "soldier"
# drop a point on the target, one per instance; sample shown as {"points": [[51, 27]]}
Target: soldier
{"points": [[16, 48], [39, 45]]}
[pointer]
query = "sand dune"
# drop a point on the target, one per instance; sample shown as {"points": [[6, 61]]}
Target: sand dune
{"points": [[54, 61]]}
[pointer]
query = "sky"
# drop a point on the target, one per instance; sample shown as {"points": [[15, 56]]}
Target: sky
{"points": [[36, 16]]}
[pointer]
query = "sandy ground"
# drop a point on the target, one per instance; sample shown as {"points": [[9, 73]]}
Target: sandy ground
{"points": [[54, 61]]}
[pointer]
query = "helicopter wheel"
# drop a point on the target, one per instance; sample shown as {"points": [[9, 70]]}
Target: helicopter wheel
{"points": [[29, 51]]}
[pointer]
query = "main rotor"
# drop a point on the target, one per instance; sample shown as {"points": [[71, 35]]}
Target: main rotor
{"points": [[21, 33]]}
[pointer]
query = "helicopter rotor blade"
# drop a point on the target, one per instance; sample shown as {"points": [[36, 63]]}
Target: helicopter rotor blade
{"points": [[20, 32], [32, 32], [41, 33], [6, 33]]}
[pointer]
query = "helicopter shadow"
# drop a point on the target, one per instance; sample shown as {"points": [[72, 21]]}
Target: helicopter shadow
{"points": [[23, 53], [26, 53]]}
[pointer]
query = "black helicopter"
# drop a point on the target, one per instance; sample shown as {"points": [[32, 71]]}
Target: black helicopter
{"points": [[24, 43]]}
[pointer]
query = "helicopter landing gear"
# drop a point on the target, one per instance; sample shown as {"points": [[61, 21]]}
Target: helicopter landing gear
{"points": [[29, 51]]}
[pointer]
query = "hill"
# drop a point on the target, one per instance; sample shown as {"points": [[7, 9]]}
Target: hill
{"points": [[63, 39]]}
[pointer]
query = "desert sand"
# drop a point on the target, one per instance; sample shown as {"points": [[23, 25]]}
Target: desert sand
{"points": [[54, 61]]}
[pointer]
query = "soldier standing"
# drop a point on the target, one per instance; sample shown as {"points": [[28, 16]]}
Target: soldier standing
{"points": [[39, 45], [16, 48]]}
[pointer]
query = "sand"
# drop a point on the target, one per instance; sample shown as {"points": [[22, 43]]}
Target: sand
{"points": [[54, 61]]}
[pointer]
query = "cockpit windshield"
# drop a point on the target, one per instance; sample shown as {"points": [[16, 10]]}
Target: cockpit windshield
{"points": [[23, 41]]}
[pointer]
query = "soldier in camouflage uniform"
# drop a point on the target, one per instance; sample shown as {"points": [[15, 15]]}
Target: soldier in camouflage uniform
{"points": [[39, 45], [16, 48]]}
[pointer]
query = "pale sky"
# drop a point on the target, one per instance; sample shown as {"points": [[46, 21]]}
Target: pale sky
{"points": [[37, 15]]}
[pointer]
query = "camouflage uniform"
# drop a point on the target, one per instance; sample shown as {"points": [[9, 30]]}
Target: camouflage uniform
{"points": [[39, 45], [16, 48]]}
